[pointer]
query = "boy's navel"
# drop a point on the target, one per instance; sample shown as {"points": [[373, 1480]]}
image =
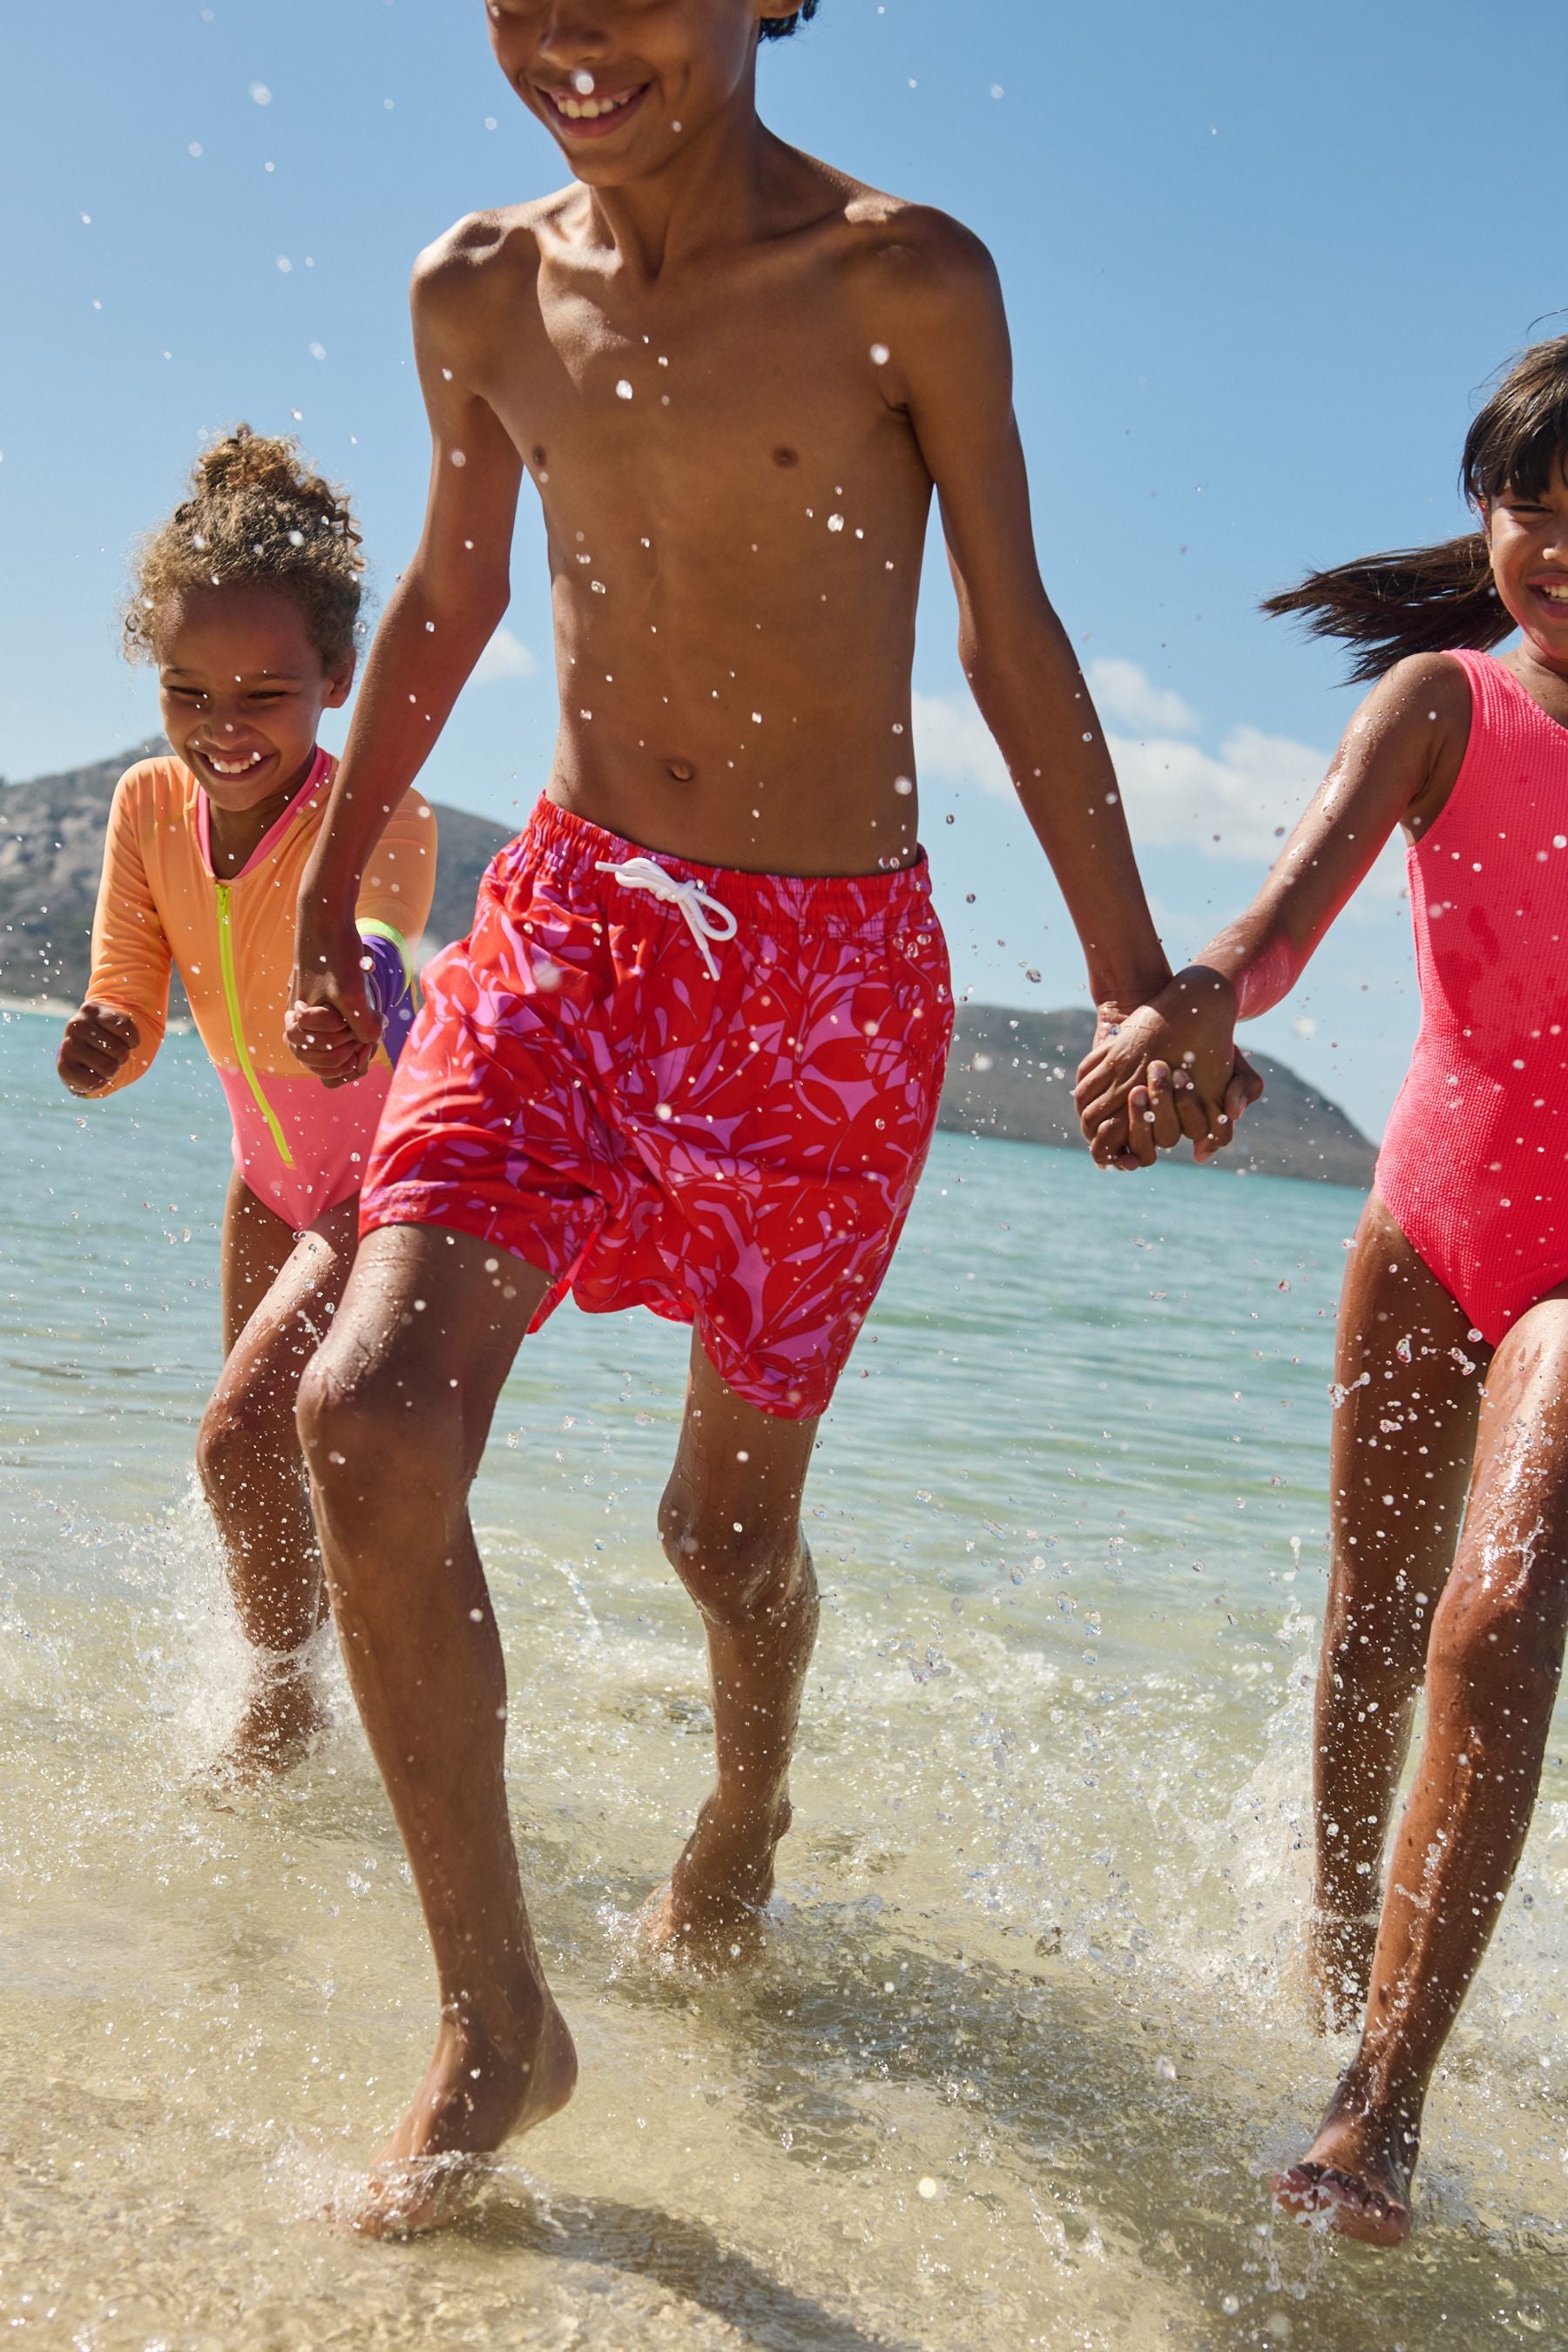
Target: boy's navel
{"points": [[784, 455], [681, 771]]}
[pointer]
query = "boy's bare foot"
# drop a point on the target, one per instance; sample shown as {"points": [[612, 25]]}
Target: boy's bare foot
{"points": [[283, 1717], [1355, 2177], [1339, 1946], [478, 2093], [711, 1910]]}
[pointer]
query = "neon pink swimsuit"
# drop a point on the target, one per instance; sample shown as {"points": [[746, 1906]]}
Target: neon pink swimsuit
{"points": [[1474, 1166]]}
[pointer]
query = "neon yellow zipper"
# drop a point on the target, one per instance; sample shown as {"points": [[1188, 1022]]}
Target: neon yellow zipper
{"points": [[241, 1050]]}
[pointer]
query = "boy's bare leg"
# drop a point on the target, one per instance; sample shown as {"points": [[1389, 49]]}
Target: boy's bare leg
{"points": [[280, 1291], [394, 1413], [730, 1524], [1402, 1448], [1491, 1679]]}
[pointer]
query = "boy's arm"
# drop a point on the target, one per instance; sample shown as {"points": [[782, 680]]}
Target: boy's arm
{"points": [[952, 369], [439, 620], [392, 911], [120, 1027], [1397, 763]]}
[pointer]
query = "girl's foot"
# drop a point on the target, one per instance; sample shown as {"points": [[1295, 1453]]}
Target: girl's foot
{"points": [[282, 1718], [1339, 1946], [711, 1911], [479, 2092], [1356, 2177]]}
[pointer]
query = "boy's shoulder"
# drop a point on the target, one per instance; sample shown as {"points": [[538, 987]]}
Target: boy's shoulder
{"points": [[487, 255], [485, 248], [912, 233]]}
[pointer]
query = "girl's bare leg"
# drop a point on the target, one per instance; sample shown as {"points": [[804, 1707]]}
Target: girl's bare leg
{"points": [[731, 1525], [1491, 1678], [279, 1290], [394, 1413], [1402, 1447]]}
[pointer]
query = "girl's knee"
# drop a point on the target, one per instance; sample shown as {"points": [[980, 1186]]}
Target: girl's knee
{"points": [[1379, 1637], [243, 1422], [1503, 1623]]}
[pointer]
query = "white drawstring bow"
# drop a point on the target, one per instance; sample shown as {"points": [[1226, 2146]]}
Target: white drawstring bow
{"points": [[706, 918]]}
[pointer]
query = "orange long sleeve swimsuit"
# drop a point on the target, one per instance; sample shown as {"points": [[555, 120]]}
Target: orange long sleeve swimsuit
{"points": [[299, 1146]]}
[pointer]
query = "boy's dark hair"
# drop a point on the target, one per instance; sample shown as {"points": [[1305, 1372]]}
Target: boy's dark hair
{"points": [[1437, 599], [257, 513], [779, 29]]}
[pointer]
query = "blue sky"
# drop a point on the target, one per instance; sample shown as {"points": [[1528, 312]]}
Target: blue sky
{"points": [[1259, 261]]}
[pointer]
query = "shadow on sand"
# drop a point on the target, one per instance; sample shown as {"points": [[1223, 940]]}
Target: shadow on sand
{"points": [[682, 2256]]}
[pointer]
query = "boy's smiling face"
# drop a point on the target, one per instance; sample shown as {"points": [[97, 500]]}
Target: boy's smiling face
{"points": [[622, 84]]}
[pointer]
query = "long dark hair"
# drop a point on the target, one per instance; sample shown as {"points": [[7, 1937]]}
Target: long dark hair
{"points": [[1423, 600], [779, 29]]}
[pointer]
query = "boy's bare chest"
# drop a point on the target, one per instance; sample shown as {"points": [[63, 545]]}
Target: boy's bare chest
{"points": [[753, 409]]}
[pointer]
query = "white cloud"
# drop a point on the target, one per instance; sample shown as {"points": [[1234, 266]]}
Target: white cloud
{"points": [[1122, 690], [1231, 804], [952, 740], [1236, 802], [506, 656], [1176, 793]]}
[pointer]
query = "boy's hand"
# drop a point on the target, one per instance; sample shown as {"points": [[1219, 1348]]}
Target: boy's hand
{"points": [[1165, 1070], [96, 1044], [331, 1029], [322, 1041]]}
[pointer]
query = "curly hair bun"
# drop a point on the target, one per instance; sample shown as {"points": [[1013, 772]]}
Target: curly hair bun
{"points": [[245, 461], [259, 515]]}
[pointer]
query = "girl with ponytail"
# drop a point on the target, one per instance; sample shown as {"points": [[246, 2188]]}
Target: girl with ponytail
{"points": [[247, 601], [1449, 1460]]}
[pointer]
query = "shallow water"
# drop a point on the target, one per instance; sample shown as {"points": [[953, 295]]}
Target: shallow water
{"points": [[1029, 2036]]}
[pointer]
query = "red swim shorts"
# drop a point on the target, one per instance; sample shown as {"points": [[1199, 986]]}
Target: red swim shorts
{"points": [[676, 1087]]}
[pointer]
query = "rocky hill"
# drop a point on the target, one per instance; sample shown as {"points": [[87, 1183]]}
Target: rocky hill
{"points": [[1010, 1075]]}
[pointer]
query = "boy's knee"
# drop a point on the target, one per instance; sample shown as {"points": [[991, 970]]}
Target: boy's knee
{"points": [[366, 1432], [736, 1574]]}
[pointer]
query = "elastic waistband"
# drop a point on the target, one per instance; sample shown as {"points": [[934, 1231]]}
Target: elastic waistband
{"points": [[563, 844]]}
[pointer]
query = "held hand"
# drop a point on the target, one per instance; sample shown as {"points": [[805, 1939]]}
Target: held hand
{"points": [[321, 1040], [332, 1027], [1244, 1088], [1165, 1070], [96, 1044]]}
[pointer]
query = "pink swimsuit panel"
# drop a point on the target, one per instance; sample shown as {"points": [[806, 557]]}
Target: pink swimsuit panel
{"points": [[1474, 1167], [329, 1130]]}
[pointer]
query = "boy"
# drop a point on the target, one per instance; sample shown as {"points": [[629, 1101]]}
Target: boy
{"points": [[702, 1078]]}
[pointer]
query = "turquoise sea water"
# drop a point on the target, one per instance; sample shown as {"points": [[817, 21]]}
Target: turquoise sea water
{"points": [[1028, 2037]]}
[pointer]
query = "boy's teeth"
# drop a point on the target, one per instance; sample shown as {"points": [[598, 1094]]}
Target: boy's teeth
{"points": [[589, 110], [232, 767]]}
